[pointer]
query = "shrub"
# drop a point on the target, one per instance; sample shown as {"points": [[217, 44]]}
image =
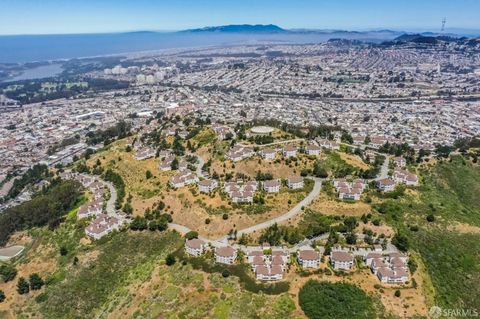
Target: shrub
{"points": [[430, 218], [225, 273], [328, 300], [191, 235], [225, 216], [7, 272], [63, 251], [170, 260], [397, 293], [36, 282], [22, 286], [2, 296]]}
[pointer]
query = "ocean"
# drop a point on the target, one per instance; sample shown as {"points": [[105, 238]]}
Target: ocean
{"points": [[33, 48]]}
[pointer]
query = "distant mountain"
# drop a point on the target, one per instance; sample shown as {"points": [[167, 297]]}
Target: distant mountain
{"points": [[241, 28]]}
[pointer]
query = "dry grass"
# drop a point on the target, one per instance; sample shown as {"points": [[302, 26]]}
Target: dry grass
{"points": [[328, 206], [354, 160]]}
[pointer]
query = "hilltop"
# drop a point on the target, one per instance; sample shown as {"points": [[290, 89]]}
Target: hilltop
{"points": [[241, 28]]}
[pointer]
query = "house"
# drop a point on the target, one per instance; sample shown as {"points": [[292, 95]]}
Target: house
{"points": [[349, 193], [377, 141], [166, 162], [207, 185], [405, 177], [195, 247], [386, 185], [309, 258], [390, 268], [90, 209], [223, 132], [269, 273], [254, 253], [268, 154], [400, 161], [313, 150], [295, 182], [272, 186], [242, 197], [358, 139], [331, 145], [239, 152], [341, 260], [289, 151], [392, 276], [225, 255], [283, 253], [103, 225], [268, 266], [183, 178], [144, 153]]}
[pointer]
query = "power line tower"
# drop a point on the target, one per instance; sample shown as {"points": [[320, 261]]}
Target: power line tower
{"points": [[444, 20]]}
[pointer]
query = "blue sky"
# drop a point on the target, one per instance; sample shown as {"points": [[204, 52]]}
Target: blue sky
{"points": [[92, 16]]}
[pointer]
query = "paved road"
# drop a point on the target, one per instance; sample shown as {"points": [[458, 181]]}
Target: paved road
{"points": [[200, 163], [276, 143], [291, 213], [384, 169], [113, 197]]}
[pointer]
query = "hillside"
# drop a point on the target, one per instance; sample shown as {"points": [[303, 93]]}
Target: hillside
{"points": [[241, 28]]}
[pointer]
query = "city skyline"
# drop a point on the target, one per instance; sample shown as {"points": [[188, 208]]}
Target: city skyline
{"points": [[59, 17]]}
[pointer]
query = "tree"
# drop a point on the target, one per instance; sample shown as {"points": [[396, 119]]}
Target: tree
{"points": [[397, 293], [350, 222], [401, 242], [63, 251], [225, 273], [2, 296], [22, 286], [347, 138], [148, 174], [139, 223], [430, 218], [174, 164], [351, 239], [170, 260], [7, 272], [36, 282], [326, 300], [319, 170], [191, 235]]}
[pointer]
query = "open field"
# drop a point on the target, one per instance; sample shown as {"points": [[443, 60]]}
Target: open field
{"points": [[451, 257]]}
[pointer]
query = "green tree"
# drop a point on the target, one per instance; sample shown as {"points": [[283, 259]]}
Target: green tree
{"points": [[36, 282], [22, 286], [2, 296], [328, 300], [191, 235], [7, 272], [148, 174], [170, 260], [401, 242]]}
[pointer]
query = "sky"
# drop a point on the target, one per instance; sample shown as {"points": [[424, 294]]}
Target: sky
{"points": [[97, 16]]}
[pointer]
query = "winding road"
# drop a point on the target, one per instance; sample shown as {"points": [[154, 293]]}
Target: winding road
{"points": [[282, 218]]}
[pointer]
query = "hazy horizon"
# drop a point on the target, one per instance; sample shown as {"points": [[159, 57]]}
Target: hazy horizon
{"points": [[33, 17]]}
